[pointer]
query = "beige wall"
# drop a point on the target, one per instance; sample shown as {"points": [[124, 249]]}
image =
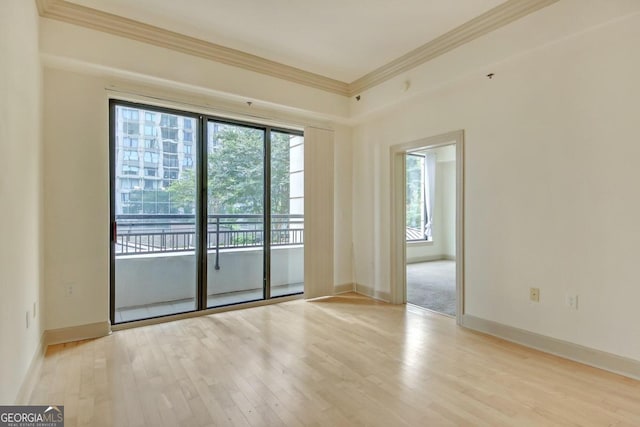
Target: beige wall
{"points": [[20, 194], [80, 49], [76, 150], [551, 176], [342, 256], [449, 208]]}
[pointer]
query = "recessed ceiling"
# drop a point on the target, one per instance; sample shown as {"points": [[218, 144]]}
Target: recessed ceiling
{"points": [[340, 39]]}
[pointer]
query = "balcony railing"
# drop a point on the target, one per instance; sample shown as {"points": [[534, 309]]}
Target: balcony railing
{"points": [[146, 234]]}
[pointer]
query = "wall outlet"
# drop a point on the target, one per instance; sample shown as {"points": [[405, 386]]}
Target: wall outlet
{"points": [[534, 294], [572, 301], [68, 289]]}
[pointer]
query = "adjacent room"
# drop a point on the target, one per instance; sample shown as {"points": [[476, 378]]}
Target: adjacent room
{"points": [[320, 213], [431, 228]]}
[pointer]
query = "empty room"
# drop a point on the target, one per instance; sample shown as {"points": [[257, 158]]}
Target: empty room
{"points": [[345, 213]]}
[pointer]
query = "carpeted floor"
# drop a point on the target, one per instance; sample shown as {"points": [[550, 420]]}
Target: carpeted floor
{"points": [[432, 285]]}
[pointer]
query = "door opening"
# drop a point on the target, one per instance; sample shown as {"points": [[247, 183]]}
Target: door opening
{"points": [[430, 181], [427, 236]]}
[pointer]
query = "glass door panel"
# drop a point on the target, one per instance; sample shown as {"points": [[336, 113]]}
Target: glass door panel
{"points": [[287, 214], [154, 203], [235, 218]]}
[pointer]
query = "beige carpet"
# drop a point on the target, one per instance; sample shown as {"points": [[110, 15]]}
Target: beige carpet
{"points": [[432, 285]]}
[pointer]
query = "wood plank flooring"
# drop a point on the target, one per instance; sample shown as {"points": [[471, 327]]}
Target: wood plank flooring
{"points": [[341, 361]]}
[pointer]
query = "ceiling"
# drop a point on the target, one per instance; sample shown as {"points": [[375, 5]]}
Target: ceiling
{"points": [[339, 39]]}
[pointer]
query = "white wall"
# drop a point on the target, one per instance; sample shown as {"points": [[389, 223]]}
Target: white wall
{"points": [[154, 278], [551, 177], [20, 194]]}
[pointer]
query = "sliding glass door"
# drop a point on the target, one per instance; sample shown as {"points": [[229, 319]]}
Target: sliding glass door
{"points": [[154, 212], [205, 212], [235, 217]]}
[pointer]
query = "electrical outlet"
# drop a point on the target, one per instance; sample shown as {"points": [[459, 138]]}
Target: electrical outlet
{"points": [[534, 294], [572, 301], [68, 289]]}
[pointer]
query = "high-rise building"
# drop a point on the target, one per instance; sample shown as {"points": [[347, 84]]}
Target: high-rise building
{"points": [[153, 149]]}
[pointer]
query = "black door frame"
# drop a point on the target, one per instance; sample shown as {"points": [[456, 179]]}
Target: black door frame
{"points": [[201, 252]]}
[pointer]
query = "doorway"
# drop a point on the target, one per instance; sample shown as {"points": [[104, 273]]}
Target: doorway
{"points": [[205, 212], [430, 228], [427, 236]]}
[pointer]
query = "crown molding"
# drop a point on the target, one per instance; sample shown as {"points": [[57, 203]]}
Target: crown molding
{"points": [[491, 20], [117, 25]]}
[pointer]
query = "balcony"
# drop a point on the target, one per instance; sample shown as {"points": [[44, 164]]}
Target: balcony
{"points": [[156, 265]]}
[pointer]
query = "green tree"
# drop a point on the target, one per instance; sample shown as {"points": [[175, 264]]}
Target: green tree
{"points": [[182, 193], [235, 168]]}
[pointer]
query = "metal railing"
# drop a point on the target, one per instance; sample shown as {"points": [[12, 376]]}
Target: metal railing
{"points": [[146, 234]]}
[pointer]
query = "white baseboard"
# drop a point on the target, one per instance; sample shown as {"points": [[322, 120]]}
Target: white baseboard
{"points": [[343, 288], [370, 292], [33, 372], [429, 258], [588, 356], [77, 333], [424, 258]]}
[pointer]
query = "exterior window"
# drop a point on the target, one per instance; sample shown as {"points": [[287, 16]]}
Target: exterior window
{"points": [[150, 184], [187, 162], [130, 170], [187, 149], [149, 130], [167, 120], [187, 136], [130, 142], [169, 147], [170, 161], [149, 117], [130, 155], [171, 174], [150, 157], [151, 144], [130, 184], [415, 197], [168, 133], [150, 172], [420, 196], [130, 128], [129, 114]]}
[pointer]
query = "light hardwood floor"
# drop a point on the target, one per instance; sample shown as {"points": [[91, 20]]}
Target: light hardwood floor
{"points": [[346, 360]]}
